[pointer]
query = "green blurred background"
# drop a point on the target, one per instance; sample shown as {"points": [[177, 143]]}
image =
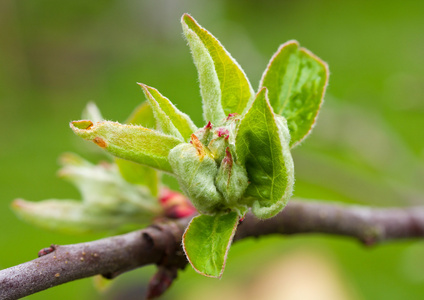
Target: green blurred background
{"points": [[367, 147]]}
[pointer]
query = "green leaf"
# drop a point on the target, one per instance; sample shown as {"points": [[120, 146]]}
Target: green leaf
{"points": [[262, 145], [296, 80], [207, 241], [224, 86], [92, 112], [135, 143], [139, 174], [170, 120], [134, 172], [142, 116], [73, 217], [102, 187]]}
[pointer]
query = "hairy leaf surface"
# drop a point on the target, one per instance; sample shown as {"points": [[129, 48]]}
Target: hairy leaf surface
{"points": [[170, 120], [134, 172], [72, 217], [135, 143], [224, 86]]}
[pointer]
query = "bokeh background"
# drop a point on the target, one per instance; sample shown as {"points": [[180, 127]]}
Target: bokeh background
{"points": [[367, 147]]}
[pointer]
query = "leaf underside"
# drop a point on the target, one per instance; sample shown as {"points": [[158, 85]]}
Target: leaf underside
{"points": [[296, 80], [207, 240]]}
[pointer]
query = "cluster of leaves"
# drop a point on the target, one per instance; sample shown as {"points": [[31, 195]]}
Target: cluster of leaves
{"points": [[240, 159]]}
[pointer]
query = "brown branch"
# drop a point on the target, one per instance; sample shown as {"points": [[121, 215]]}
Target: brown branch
{"points": [[160, 243]]}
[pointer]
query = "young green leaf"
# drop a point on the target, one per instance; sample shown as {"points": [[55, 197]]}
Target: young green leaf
{"points": [[224, 86], [101, 186], [92, 112], [207, 241], [135, 143], [296, 80], [263, 147], [133, 172], [142, 116], [73, 217], [170, 120]]}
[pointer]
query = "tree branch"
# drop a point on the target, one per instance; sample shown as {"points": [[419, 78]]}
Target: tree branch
{"points": [[161, 243]]}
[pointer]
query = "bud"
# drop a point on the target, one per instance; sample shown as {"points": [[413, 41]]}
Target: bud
{"points": [[175, 205], [219, 143], [204, 134], [232, 182], [195, 169]]}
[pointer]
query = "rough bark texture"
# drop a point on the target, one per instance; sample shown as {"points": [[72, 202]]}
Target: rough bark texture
{"points": [[161, 243]]}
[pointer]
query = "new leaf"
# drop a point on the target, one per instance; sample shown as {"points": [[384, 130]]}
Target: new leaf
{"points": [[135, 143], [207, 240], [170, 120], [133, 172], [296, 80], [224, 87], [262, 145]]}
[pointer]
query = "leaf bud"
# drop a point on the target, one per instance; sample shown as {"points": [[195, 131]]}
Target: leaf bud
{"points": [[204, 134], [219, 143], [196, 169], [232, 182]]}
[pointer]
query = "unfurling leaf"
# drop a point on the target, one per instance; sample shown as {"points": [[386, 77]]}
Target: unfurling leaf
{"points": [[135, 143], [207, 240], [262, 145], [170, 120], [296, 80], [224, 87]]}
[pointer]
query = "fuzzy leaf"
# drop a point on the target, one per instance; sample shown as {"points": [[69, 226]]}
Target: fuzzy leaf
{"points": [[92, 112], [72, 217], [296, 80], [135, 143], [207, 241], [134, 172], [102, 187], [263, 147], [142, 116], [169, 118], [224, 86]]}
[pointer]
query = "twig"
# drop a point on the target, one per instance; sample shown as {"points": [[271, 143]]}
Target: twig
{"points": [[160, 243]]}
